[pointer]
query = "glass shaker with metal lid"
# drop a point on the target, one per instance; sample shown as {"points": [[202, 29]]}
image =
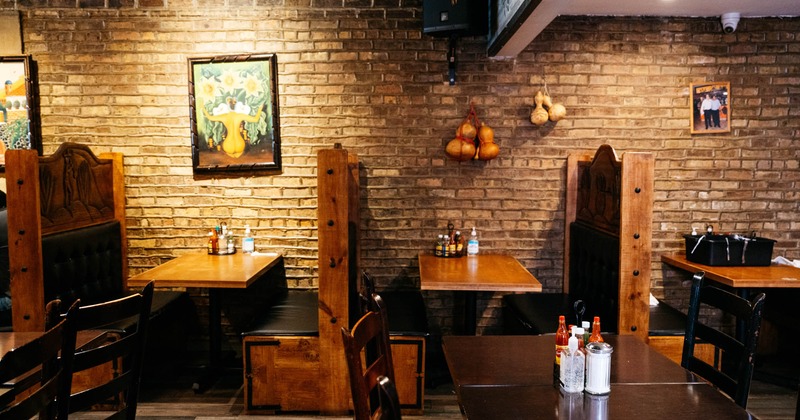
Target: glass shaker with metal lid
{"points": [[598, 367]]}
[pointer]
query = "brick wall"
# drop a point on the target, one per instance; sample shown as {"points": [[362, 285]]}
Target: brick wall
{"points": [[114, 75]]}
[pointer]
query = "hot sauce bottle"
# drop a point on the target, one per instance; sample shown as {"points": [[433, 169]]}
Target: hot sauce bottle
{"points": [[596, 337], [562, 341]]}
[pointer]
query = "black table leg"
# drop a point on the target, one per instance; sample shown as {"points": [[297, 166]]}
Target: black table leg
{"points": [[470, 312], [212, 370]]}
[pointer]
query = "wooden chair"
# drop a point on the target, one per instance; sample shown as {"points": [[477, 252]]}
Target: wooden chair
{"points": [[124, 350], [40, 380], [373, 392], [733, 375]]}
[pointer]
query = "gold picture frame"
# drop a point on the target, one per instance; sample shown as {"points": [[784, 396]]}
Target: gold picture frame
{"points": [[711, 107]]}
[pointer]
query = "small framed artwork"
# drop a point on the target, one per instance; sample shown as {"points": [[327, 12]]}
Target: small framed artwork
{"points": [[711, 107], [19, 110], [234, 113]]}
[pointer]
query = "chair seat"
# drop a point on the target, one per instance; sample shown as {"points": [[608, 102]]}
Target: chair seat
{"points": [[293, 314]]}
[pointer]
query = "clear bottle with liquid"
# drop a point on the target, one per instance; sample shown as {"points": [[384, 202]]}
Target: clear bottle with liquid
{"points": [[573, 367], [472, 244], [248, 242]]}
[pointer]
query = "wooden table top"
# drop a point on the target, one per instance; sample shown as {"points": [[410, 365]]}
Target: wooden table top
{"points": [[482, 272], [236, 271], [643, 401], [507, 360], [739, 276]]}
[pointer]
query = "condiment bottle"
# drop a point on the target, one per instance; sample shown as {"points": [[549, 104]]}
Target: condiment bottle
{"points": [[578, 332], [439, 250], [573, 365], [562, 340], [472, 245], [213, 242], [596, 337], [248, 243], [587, 331]]}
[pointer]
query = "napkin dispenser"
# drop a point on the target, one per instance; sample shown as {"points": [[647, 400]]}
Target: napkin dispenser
{"points": [[729, 250]]}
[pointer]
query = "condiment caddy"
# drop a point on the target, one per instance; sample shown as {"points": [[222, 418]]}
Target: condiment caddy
{"points": [[222, 241], [450, 244]]}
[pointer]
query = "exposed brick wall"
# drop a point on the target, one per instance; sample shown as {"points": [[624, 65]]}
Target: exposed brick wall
{"points": [[114, 75]]}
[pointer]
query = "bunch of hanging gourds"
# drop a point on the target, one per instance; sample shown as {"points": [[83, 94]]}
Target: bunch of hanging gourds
{"points": [[546, 110], [463, 147]]}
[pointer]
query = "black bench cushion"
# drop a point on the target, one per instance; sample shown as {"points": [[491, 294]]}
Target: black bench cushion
{"points": [[594, 278], [293, 314], [83, 264], [533, 314], [666, 320]]}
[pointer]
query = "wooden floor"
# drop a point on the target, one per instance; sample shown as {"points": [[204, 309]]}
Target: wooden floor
{"points": [[171, 398]]}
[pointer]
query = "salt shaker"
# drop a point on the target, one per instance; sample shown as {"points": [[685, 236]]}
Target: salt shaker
{"points": [[598, 368]]}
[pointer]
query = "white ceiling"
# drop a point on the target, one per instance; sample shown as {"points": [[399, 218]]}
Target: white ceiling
{"points": [[547, 10]]}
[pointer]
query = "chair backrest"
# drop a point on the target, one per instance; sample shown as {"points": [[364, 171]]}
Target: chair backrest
{"points": [[124, 350], [733, 374], [373, 397], [40, 379]]}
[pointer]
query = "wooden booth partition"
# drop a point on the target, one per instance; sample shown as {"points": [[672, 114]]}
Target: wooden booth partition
{"points": [[337, 234], [289, 372], [599, 190]]}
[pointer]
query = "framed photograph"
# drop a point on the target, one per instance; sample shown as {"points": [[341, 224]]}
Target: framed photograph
{"points": [[711, 107], [19, 110], [234, 113]]}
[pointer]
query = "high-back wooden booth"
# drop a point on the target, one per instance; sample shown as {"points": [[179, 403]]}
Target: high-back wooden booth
{"points": [[294, 360], [71, 189]]}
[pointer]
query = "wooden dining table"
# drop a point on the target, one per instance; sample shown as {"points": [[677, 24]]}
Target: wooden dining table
{"points": [[740, 278], [513, 377], [213, 272], [475, 273]]}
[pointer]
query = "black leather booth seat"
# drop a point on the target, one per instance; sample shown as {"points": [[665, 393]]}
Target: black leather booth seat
{"points": [[594, 279], [524, 314], [295, 313]]}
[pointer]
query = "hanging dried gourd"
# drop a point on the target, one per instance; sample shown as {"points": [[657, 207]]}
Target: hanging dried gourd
{"points": [[539, 114], [463, 146], [487, 150], [545, 109]]}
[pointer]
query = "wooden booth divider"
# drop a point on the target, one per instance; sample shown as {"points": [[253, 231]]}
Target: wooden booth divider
{"points": [[287, 370]]}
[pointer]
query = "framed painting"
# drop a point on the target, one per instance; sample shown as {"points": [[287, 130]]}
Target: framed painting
{"points": [[234, 113], [711, 107], [19, 110]]}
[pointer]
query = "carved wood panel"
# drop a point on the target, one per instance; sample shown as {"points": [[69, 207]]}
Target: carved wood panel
{"points": [[76, 188], [598, 201]]}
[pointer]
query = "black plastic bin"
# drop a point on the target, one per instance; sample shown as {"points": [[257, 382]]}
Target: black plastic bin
{"points": [[728, 250]]}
